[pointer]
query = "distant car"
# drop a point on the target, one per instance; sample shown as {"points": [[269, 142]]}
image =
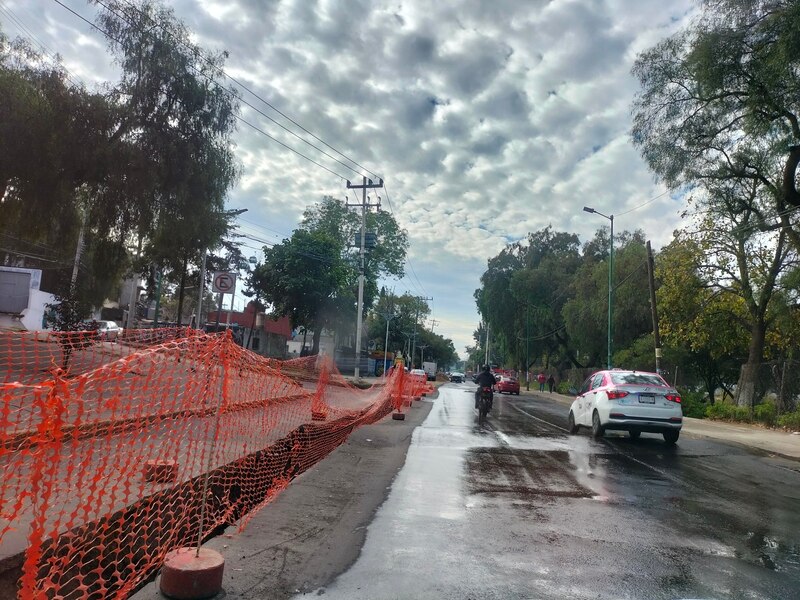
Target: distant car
{"points": [[632, 401], [457, 377], [507, 385], [420, 372], [108, 330]]}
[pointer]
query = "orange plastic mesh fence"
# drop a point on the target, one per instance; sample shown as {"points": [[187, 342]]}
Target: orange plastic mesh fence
{"points": [[106, 448]]}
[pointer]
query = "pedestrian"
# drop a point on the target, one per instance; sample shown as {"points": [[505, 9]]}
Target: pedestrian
{"points": [[542, 379], [551, 382]]}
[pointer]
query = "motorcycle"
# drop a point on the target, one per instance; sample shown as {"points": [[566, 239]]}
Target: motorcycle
{"points": [[484, 402]]}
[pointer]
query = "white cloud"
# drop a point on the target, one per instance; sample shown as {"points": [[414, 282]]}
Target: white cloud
{"points": [[487, 119]]}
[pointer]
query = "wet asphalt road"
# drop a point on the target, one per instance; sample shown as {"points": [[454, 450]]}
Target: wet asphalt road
{"points": [[519, 509]]}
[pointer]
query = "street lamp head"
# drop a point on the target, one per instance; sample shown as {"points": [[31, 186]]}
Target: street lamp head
{"points": [[588, 210]]}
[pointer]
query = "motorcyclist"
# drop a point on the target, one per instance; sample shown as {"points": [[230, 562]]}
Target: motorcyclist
{"points": [[485, 379]]}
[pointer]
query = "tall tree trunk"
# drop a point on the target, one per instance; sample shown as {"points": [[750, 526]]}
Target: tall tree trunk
{"points": [[183, 285], [315, 340], [748, 377]]}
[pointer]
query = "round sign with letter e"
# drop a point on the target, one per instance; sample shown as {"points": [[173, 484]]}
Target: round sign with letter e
{"points": [[224, 282]]}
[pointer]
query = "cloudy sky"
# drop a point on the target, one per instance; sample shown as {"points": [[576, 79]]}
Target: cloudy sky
{"points": [[487, 118]]}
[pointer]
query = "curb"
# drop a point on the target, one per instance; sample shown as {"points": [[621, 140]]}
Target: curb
{"points": [[714, 430]]}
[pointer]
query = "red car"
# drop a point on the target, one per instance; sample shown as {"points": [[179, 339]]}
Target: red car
{"points": [[507, 385]]}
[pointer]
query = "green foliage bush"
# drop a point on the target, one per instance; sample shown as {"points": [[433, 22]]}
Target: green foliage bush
{"points": [[765, 413], [563, 387], [790, 420], [694, 404], [722, 411]]}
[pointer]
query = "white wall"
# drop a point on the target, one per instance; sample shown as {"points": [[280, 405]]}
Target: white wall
{"points": [[31, 317]]}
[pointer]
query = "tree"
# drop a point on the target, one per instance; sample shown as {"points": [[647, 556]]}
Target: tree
{"points": [[720, 101], [523, 291], [146, 162], [586, 312], [386, 259], [172, 102], [302, 277], [696, 324]]}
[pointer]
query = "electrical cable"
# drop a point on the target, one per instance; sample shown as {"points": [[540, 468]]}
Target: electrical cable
{"points": [[643, 204], [259, 130], [74, 79], [247, 89], [581, 313]]}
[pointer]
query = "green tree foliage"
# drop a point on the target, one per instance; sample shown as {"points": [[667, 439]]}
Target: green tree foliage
{"points": [[523, 292], [172, 102], [720, 100], [409, 313], [145, 161], [302, 278], [313, 277], [333, 218], [586, 312]]}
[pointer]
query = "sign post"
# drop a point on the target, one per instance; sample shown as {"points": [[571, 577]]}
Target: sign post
{"points": [[223, 283]]}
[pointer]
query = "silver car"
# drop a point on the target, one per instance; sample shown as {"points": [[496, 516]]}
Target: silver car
{"points": [[632, 401]]}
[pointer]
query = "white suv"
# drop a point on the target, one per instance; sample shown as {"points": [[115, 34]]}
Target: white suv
{"points": [[632, 401]]}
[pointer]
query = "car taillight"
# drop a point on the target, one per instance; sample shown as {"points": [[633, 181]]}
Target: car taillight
{"points": [[615, 394], [673, 398]]}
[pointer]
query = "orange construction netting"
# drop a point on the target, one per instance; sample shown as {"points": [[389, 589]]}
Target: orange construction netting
{"points": [[114, 453]]}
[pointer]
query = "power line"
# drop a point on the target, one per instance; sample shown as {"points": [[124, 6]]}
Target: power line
{"points": [[76, 81], [243, 120], [643, 204], [581, 313], [250, 91], [274, 139]]}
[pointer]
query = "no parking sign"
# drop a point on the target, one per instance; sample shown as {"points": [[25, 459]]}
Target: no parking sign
{"points": [[224, 283]]}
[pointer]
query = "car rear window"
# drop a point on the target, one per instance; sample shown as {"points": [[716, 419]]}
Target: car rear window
{"points": [[637, 379]]}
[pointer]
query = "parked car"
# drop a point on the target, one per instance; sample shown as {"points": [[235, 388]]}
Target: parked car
{"points": [[507, 385], [108, 330], [632, 401], [457, 377], [420, 373]]}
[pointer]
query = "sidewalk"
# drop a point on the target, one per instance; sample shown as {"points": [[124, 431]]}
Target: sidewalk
{"points": [[752, 436]]}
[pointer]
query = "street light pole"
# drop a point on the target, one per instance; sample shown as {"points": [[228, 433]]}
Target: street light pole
{"points": [[388, 316], [610, 280]]}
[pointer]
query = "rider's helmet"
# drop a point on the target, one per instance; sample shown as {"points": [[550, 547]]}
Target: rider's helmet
{"points": [[486, 368]]}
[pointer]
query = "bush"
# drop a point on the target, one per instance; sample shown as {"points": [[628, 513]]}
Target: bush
{"points": [[765, 413], [790, 420], [728, 412], [564, 387], [694, 404]]}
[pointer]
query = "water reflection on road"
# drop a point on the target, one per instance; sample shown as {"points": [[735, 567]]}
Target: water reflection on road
{"points": [[516, 508]]}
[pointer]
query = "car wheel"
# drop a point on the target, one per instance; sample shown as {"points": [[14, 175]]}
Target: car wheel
{"points": [[597, 429], [572, 428], [634, 434], [517, 392], [670, 437]]}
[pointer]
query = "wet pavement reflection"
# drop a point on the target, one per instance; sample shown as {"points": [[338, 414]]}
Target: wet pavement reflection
{"points": [[517, 508]]}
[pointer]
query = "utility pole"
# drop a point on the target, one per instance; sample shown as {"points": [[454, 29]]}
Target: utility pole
{"points": [[202, 287], [422, 352], [416, 319], [487, 344], [367, 184], [434, 323], [527, 350], [653, 310], [388, 316], [78, 252], [134, 296]]}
